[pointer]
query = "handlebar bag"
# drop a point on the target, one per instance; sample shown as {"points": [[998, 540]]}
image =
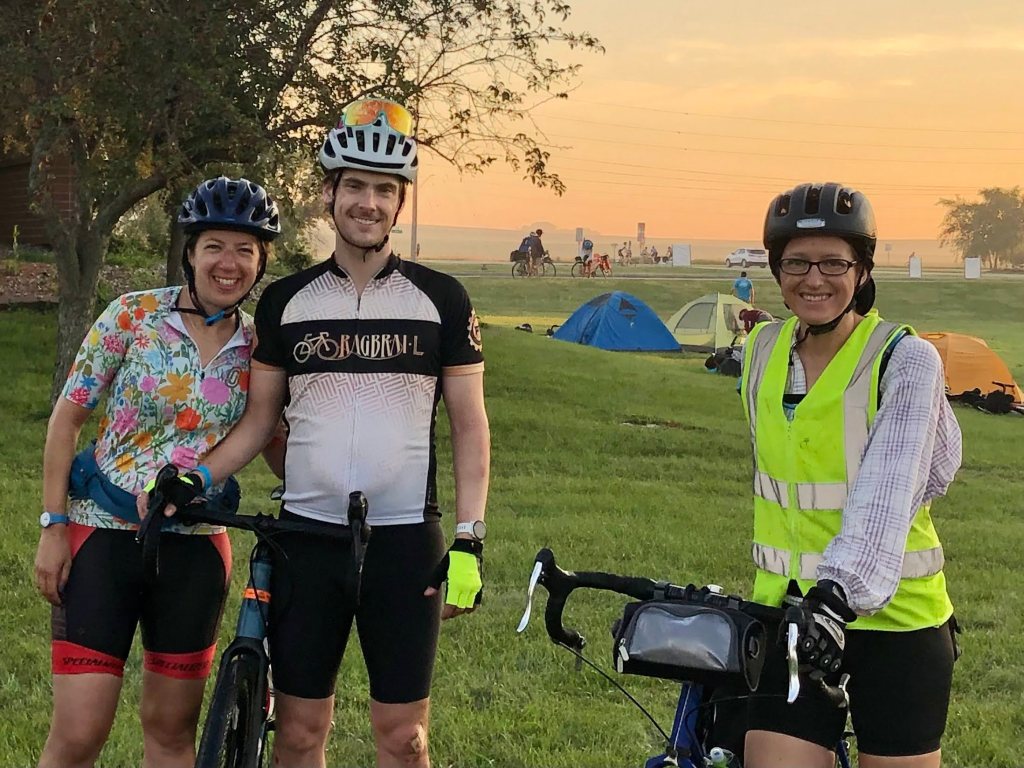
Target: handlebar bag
{"points": [[676, 640]]}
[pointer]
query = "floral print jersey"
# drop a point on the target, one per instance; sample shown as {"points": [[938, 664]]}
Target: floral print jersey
{"points": [[162, 405]]}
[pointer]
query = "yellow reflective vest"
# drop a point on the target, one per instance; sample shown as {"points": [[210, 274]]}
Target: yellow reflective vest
{"points": [[805, 467]]}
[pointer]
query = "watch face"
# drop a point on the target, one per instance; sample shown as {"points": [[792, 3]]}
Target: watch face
{"points": [[479, 529], [46, 519]]}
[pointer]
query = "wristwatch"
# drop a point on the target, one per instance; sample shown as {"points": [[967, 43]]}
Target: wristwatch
{"points": [[477, 529], [48, 519]]}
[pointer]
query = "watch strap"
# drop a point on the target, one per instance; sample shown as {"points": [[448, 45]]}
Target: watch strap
{"points": [[47, 519]]}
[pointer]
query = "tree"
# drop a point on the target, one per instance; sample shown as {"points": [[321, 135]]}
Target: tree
{"points": [[992, 229], [134, 98]]}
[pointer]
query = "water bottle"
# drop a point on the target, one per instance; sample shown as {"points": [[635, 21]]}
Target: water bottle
{"points": [[721, 758]]}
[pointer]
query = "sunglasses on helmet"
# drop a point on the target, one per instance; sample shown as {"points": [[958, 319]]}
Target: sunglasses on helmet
{"points": [[365, 111]]}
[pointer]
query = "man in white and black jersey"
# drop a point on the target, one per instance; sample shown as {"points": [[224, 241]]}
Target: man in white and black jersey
{"points": [[357, 353]]}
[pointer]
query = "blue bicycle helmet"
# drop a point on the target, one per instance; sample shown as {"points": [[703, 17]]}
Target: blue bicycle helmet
{"points": [[224, 203], [235, 204]]}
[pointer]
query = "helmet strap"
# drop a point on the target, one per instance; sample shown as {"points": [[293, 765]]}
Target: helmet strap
{"points": [[199, 309], [817, 330], [375, 248]]}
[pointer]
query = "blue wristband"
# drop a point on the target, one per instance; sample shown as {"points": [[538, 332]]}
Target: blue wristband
{"points": [[204, 472]]}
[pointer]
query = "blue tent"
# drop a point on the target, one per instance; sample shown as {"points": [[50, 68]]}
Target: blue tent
{"points": [[617, 321]]}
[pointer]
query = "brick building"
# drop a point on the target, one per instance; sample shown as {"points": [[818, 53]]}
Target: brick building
{"points": [[14, 202]]}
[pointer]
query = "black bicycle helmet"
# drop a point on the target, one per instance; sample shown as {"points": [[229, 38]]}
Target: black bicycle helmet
{"points": [[234, 204], [825, 209]]}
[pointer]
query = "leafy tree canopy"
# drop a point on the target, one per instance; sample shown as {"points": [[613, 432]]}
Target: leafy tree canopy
{"points": [[991, 228], [138, 97]]}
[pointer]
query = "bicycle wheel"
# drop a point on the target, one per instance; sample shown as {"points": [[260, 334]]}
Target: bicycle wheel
{"points": [[577, 269], [549, 269], [519, 269], [234, 732]]}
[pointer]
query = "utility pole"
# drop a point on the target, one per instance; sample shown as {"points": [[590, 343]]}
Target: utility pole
{"points": [[412, 245], [415, 187]]}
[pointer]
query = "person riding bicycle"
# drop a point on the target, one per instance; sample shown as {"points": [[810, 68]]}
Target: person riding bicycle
{"points": [[853, 439], [536, 250], [174, 364], [587, 253], [359, 350]]}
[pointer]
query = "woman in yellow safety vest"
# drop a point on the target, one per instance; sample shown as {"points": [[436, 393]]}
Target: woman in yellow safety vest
{"points": [[853, 439]]}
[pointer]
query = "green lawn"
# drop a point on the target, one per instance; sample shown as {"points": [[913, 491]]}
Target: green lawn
{"points": [[569, 473]]}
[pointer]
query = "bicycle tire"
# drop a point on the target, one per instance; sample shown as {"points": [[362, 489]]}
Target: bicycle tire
{"points": [[234, 731], [549, 267], [576, 270], [519, 269]]}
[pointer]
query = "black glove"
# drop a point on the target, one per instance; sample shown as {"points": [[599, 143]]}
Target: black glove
{"points": [[823, 631], [179, 490]]}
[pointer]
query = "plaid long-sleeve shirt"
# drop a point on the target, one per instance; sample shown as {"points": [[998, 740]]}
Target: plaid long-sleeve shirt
{"points": [[912, 454]]}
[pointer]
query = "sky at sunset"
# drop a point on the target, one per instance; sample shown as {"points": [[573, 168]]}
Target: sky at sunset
{"points": [[698, 113]]}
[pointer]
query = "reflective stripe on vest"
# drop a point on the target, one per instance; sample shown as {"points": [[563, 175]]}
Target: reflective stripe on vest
{"points": [[916, 565]]}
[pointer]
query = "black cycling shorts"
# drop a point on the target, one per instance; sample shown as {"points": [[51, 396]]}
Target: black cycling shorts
{"points": [[899, 694], [311, 616], [106, 597]]}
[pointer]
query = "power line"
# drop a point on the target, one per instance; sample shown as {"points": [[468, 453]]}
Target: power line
{"points": [[938, 189], [717, 135], [915, 129], [729, 190], [930, 161]]}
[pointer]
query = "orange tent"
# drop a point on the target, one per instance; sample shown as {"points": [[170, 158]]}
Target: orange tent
{"points": [[970, 364]]}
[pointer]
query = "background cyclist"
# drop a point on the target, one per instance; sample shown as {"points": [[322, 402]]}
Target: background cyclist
{"points": [[361, 348], [853, 439], [174, 366]]}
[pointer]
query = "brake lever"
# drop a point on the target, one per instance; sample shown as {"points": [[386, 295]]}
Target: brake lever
{"points": [[792, 635], [538, 569]]}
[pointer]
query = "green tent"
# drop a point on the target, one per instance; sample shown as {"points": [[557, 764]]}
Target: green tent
{"points": [[709, 323]]}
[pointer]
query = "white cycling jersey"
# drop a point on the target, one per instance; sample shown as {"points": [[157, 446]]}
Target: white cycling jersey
{"points": [[364, 376]]}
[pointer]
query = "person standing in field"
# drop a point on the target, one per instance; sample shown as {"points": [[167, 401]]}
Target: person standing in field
{"points": [[358, 352], [853, 440], [743, 288], [173, 365]]}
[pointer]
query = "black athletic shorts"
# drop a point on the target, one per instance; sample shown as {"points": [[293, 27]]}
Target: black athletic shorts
{"points": [[106, 597], [899, 693], [311, 616]]}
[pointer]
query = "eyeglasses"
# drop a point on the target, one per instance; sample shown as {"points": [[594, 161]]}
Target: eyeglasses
{"points": [[365, 111], [830, 267]]}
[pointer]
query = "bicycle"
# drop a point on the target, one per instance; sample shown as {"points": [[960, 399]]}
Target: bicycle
{"points": [[240, 718], [542, 267], [688, 744], [598, 265]]}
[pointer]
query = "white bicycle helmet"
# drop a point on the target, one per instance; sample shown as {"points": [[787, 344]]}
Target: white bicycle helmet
{"points": [[376, 147]]}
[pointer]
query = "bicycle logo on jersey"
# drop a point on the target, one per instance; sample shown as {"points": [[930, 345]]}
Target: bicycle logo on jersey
{"points": [[369, 346]]}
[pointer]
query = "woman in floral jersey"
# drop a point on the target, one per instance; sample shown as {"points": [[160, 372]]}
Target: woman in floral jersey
{"points": [[173, 364]]}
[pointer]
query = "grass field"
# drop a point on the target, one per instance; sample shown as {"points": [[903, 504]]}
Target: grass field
{"points": [[569, 473]]}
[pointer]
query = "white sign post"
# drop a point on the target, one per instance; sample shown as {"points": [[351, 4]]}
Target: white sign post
{"points": [[681, 255], [641, 236], [579, 242], [972, 268]]}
